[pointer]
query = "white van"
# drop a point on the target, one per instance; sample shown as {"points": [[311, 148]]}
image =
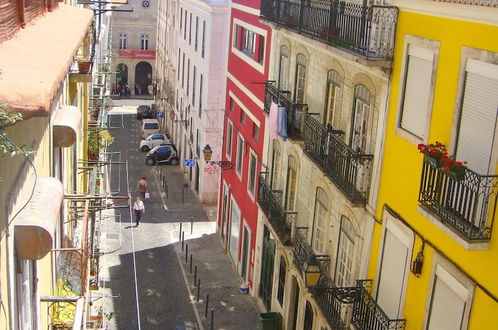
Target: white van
{"points": [[149, 126]]}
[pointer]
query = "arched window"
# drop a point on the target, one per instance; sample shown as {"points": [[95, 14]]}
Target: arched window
{"points": [[290, 191], [144, 42], [308, 317], [123, 40], [320, 221], [332, 108], [276, 157], [283, 69], [300, 82], [345, 254], [361, 114]]}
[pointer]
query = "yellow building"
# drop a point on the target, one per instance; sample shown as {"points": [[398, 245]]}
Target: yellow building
{"points": [[434, 257]]}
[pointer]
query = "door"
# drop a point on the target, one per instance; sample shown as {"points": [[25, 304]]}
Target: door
{"points": [[359, 129], [245, 255], [156, 140], [268, 258], [224, 214], [163, 154], [234, 232], [295, 303]]}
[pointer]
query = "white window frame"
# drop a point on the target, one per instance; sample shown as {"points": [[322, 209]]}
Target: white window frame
{"points": [[332, 101], [144, 41], [229, 140], [239, 158], [283, 68], [252, 176], [254, 30], [300, 79], [123, 41], [345, 248], [320, 222]]}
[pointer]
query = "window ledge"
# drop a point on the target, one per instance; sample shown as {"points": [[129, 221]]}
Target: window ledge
{"points": [[468, 245]]}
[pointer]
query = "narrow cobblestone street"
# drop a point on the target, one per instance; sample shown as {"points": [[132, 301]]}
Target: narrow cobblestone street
{"points": [[145, 281]]}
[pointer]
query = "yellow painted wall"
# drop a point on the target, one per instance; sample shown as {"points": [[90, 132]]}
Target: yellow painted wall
{"points": [[402, 167]]}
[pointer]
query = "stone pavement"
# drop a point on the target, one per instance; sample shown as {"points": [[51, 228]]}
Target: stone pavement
{"points": [[145, 281]]}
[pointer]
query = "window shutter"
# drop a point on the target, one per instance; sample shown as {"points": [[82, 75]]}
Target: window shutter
{"points": [[478, 116], [417, 91]]}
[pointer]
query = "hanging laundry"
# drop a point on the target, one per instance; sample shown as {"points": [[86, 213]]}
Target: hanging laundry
{"points": [[282, 122], [273, 121]]}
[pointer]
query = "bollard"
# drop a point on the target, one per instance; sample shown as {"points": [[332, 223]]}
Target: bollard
{"points": [[198, 289], [191, 225], [183, 195], [180, 233], [212, 319], [186, 253], [166, 191], [183, 239], [195, 275], [190, 264], [207, 304]]}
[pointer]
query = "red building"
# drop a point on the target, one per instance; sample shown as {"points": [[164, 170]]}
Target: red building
{"points": [[243, 135]]}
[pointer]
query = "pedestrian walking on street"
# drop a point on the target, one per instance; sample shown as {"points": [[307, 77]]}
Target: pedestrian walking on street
{"points": [[139, 209], [142, 187]]}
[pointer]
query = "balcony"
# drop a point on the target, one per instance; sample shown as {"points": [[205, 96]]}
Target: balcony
{"points": [[467, 206], [295, 111], [271, 204], [351, 171], [366, 30]]}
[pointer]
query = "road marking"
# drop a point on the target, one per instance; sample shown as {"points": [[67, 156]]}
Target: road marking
{"points": [[192, 301], [160, 193]]}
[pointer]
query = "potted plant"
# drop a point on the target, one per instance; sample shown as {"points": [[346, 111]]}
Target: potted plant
{"points": [[453, 168], [433, 152], [97, 140]]}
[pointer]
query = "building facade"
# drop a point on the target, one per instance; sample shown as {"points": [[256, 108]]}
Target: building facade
{"points": [[134, 47], [434, 245], [193, 37], [243, 136], [325, 102]]}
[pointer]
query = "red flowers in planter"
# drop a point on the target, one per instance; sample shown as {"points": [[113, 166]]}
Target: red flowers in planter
{"points": [[435, 150], [437, 155], [449, 163]]}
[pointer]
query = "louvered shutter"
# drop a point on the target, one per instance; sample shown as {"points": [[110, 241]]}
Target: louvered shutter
{"points": [[478, 116], [417, 91]]}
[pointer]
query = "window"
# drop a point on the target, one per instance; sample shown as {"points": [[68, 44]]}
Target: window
{"points": [[283, 69], [290, 193], [232, 105], [345, 254], [188, 77], [417, 87], [123, 40], [229, 140], [319, 222], [249, 42], [183, 70], [300, 82], [181, 18], [178, 66], [190, 30], [201, 82], [255, 131], [185, 27], [451, 300], [275, 167], [281, 281], [242, 117], [203, 38], [478, 118], [361, 110], [26, 293], [240, 154], [144, 42], [333, 88], [251, 175], [234, 232], [196, 31], [194, 75]]}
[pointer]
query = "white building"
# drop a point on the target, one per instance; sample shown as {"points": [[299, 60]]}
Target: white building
{"points": [[191, 66], [134, 45]]}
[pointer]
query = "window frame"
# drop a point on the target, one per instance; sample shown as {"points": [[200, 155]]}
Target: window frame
{"points": [[320, 217], [239, 155], [229, 140], [252, 173], [300, 91]]}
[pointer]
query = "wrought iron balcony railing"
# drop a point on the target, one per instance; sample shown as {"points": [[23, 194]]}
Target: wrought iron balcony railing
{"points": [[467, 205], [295, 111], [350, 170], [302, 251], [270, 203], [366, 30]]}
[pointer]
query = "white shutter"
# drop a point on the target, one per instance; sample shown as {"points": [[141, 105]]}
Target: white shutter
{"points": [[448, 302], [418, 86], [478, 116], [392, 277]]}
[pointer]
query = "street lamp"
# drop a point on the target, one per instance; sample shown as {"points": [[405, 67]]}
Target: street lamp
{"points": [[312, 271], [208, 152]]}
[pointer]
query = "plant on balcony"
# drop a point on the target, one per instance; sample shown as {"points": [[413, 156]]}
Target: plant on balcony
{"points": [[433, 152], [97, 140], [452, 167]]}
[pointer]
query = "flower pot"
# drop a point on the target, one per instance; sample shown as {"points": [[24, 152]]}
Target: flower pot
{"points": [[84, 67], [456, 173], [433, 161]]}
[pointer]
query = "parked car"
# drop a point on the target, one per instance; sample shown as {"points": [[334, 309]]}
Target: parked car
{"points": [[145, 111], [154, 140], [162, 154], [149, 126]]}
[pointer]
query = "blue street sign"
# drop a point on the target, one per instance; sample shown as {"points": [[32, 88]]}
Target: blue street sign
{"points": [[189, 162], [160, 115]]}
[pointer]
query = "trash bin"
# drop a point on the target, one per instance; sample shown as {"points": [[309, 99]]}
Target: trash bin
{"points": [[270, 321]]}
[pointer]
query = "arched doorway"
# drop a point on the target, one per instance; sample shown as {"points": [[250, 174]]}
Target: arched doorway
{"points": [[121, 74], [143, 78]]}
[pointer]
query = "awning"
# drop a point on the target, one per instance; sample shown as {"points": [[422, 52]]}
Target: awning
{"points": [[35, 225], [34, 62], [66, 126]]}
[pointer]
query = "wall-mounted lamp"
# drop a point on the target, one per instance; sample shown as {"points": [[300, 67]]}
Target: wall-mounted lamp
{"points": [[208, 152], [418, 262], [172, 114], [182, 122]]}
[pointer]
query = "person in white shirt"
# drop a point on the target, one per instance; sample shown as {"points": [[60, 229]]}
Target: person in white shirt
{"points": [[139, 209]]}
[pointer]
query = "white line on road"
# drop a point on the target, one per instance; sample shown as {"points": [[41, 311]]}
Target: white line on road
{"points": [[160, 193], [192, 301]]}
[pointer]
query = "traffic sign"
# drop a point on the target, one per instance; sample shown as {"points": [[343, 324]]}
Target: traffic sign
{"points": [[160, 115], [189, 162]]}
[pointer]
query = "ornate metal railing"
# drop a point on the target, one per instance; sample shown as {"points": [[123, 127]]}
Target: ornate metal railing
{"points": [[295, 111], [301, 249], [367, 314], [351, 171], [331, 300], [271, 204], [467, 205], [484, 3], [366, 30]]}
